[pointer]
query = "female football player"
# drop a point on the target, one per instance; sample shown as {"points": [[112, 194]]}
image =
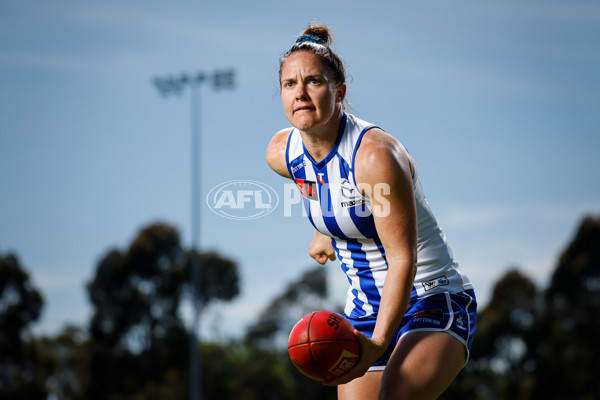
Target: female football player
{"points": [[413, 308]]}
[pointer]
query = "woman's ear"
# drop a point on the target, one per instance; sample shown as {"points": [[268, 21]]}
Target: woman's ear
{"points": [[341, 92]]}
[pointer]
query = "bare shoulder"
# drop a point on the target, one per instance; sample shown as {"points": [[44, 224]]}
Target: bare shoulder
{"points": [[381, 155], [276, 152]]}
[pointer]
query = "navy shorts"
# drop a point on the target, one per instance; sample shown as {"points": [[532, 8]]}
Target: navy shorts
{"points": [[454, 313]]}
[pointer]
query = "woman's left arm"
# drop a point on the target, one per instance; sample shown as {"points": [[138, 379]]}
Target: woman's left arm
{"points": [[383, 172]]}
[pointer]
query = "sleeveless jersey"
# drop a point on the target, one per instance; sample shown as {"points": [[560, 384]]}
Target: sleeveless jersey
{"points": [[336, 208]]}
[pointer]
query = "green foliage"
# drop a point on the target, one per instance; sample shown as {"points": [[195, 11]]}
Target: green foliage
{"points": [[307, 294], [140, 344], [239, 371], [69, 354], [136, 295], [20, 302], [23, 369], [529, 343], [568, 330], [540, 345], [500, 358], [219, 277]]}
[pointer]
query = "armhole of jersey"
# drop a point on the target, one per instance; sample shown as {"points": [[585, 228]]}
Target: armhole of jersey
{"points": [[287, 154], [413, 164], [356, 146]]}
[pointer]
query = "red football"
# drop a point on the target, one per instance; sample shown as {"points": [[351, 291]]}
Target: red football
{"points": [[322, 345]]}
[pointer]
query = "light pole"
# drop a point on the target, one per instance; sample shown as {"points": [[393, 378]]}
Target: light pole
{"points": [[175, 85]]}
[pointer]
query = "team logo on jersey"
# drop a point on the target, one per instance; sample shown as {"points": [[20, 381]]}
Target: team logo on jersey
{"points": [[320, 178], [298, 166], [308, 189], [439, 281], [349, 192]]}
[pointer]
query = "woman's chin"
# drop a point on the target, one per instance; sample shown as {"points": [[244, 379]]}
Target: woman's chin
{"points": [[303, 124]]}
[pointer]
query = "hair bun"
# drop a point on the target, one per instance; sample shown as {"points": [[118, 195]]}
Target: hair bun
{"points": [[319, 31]]}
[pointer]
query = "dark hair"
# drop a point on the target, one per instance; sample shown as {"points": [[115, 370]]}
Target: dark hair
{"points": [[317, 38]]}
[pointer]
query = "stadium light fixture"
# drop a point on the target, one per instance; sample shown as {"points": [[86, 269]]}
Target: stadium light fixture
{"points": [[175, 85]]}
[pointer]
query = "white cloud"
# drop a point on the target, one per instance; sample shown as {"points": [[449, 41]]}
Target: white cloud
{"points": [[50, 281], [490, 215]]}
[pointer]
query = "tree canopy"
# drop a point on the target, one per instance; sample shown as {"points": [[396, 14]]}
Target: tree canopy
{"points": [[530, 342], [308, 293], [568, 329], [533, 343], [22, 368]]}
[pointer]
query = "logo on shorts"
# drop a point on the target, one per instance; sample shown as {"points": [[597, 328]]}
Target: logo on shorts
{"points": [[428, 318], [439, 281], [429, 313], [460, 322]]}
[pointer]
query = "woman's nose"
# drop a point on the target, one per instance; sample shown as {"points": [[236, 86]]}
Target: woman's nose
{"points": [[300, 92]]}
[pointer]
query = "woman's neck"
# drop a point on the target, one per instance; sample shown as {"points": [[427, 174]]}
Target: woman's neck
{"points": [[319, 143]]}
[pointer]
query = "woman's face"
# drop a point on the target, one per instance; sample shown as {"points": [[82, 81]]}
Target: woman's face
{"points": [[310, 97]]}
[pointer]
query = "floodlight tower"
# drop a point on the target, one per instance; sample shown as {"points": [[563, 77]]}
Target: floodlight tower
{"points": [[222, 79]]}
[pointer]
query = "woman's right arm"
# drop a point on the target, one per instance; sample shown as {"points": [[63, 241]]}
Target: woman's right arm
{"points": [[320, 248], [276, 153]]}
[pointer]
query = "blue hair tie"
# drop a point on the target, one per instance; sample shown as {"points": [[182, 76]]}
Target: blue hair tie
{"points": [[310, 38]]}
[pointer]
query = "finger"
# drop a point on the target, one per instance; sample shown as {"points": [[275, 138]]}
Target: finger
{"points": [[361, 337], [354, 373], [339, 381], [316, 256]]}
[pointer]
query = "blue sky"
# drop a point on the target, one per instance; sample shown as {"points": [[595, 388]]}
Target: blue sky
{"points": [[498, 102]]}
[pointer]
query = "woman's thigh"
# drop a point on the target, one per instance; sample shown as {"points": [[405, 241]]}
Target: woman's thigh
{"points": [[422, 366], [364, 388]]}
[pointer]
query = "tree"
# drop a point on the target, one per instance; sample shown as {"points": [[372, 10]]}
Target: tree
{"points": [[70, 353], [139, 337], [567, 334], [500, 357], [532, 344], [219, 277], [264, 369], [22, 367], [307, 294]]}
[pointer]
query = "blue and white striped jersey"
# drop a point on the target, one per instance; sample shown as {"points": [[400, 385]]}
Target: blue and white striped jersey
{"points": [[336, 208]]}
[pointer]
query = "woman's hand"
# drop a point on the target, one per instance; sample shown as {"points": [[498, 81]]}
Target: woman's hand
{"points": [[370, 351], [321, 248]]}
